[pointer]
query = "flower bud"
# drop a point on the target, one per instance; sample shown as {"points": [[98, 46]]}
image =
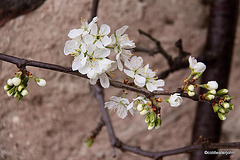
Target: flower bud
{"points": [[147, 119], [9, 93], [215, 108], [41, 82], [24, 92], [190, 93], [151, 125], [143, 112], [15, 95], [227, 98], [16, 81], [6, 87], [231, 106], [222, 116], [225, 105], [210, 97], [152, 117], [222, 110], [9, 82], [222, 92], [212, 92], [212, 85], [21, 87], [140, 107], [191, 87]]}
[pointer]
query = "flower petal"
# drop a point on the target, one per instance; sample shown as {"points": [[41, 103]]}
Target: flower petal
{"points": [[129, 73], [121, 30], [104, 80], [75, 33], [104, 29]]}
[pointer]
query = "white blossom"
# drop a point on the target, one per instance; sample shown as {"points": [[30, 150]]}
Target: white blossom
{"points": [[122, 44], [151, 83], [119, 105], [134, 66], [98, 37], [175, 100], [212, 85], [197, 67]]}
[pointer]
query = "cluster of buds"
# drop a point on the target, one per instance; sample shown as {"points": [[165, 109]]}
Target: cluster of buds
{"points": [[222, 106], [17, 85], [146, 108], [153, 120]]}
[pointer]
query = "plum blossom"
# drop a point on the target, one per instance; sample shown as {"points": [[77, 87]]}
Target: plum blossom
{"points": [[122, 44], [84, 29], [95, 64], [197, 67], [98, 37], [151, 83], [119, 105], [175, 100], [134, 67]]}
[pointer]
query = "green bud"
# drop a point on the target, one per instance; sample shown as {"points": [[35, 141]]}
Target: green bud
{"points": [[191, 87], [225, 105], [25, 80], [213, 91], [227, 97], [222, 116], [222, 92], [19, 97], [215, 108], [222, 110], [15, 95], [24, 92], [21, 87], [140, 107], [147, 119], [151, 125], [231, 106], [144, 112], [209, 97], [7, 87], [152, 117], [190, 93], [9, 93], [9, 82]]}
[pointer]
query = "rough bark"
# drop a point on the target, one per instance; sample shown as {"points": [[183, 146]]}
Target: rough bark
{"points": [[219, 46]]}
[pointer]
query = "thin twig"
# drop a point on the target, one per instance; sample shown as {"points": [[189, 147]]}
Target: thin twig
{"points": [[24, 62]]}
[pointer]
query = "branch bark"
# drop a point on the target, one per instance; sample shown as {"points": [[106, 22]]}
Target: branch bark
{"points": [[220, 42]]}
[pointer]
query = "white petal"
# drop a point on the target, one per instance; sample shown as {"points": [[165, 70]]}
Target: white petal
{"points": [[104, 29], [139, 80], [94, 29], [76, 63], [130, 106], [119, 63], [121, 30], [88, 39], [199, 67], [160, 83], [122, 112], [104, 80], [70, 47], [102, 53], [106, 40], [129, 73], [93, 81], [75, 33], [151, 87], [99, 44], [85, 69]]}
